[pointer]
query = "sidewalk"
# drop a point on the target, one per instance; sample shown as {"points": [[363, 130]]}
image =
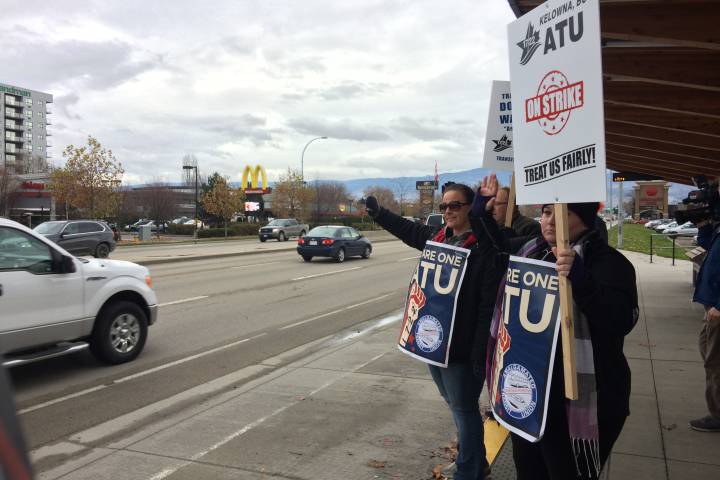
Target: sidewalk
{"points": [[668, 381], [353, 407]]}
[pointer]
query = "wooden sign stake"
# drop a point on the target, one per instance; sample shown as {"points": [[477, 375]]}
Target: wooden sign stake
{"points": [[511, 203], [566, 306]]}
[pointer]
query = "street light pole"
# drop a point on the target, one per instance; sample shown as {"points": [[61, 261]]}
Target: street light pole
{"points": [[194, 167], [302, 158]]}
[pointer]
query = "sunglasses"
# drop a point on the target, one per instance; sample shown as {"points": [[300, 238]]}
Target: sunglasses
{"points": [[453, 206]]}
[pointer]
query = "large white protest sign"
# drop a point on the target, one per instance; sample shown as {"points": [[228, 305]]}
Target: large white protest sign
{"points": [[498, 136], [556, 84]]}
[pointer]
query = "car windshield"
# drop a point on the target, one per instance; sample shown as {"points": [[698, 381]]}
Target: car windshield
{"points": [[49, 228], [322, 232], [275, 223]]}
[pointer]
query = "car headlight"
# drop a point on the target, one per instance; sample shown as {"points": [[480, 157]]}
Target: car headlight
{"points": [[276, 229]]}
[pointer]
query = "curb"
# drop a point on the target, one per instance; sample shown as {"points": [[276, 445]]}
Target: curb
{"points": [[160, 261]]}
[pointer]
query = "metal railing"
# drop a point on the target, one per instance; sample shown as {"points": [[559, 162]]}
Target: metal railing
{"points": [[671, 236]]}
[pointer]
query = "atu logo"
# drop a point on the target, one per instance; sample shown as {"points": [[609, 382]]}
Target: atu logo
{"points": [[503, 144], [555, 36], [254, 186]]}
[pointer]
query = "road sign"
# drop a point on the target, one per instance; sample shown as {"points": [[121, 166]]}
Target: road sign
{"points": [[426, 185]]}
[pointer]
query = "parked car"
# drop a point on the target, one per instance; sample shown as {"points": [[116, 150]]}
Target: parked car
{"points": [[132, 227], [53, 303], [181, 220], [80, 237], [660, 221], [154, 227], [333, 241], [664, 226], [687, 228], [200, 223], [435, 220], [282, 229]]}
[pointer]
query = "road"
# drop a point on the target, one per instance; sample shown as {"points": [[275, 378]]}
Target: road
{"points": [[217, 316]]}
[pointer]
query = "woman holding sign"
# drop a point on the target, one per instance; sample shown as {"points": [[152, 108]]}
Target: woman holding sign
{"points": [[579, 434], [468, 307]]}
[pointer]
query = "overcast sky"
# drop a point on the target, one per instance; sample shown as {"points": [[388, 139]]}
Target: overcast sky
{"points": [[394, 84]]}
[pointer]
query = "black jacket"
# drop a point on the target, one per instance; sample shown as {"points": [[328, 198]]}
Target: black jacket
{"points": [[607, 294], [479, 288]]}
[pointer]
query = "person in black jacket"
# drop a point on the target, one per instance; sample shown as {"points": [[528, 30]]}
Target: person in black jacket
{"points": [[605, 299], [461, 382]]}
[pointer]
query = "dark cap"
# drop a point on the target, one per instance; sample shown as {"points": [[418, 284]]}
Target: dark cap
{"points": [[587, 211]]}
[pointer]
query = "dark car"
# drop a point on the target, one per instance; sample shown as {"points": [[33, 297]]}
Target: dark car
{"points": [[335, 242], [80, 237]]}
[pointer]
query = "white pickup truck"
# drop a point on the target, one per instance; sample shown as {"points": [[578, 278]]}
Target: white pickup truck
{"points": [[52, 303]]}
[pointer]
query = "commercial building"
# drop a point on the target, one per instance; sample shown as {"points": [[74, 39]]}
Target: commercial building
{"points": [[24, 130]]}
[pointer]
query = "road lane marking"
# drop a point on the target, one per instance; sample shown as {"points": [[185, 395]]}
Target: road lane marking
{"points": [[255, 265], [184, 300], [61, 399], [136, 375], [326, 273], [166, 472], [302, 322], [414, 257], [186, 359]]}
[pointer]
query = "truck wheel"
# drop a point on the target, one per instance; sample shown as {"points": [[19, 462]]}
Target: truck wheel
{"points": [[102, 250], [281, 237], [262, 239], [120, 333], [340, 256]]}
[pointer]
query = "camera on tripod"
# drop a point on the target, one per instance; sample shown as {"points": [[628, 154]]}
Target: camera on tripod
{"points": [[703, 203]]}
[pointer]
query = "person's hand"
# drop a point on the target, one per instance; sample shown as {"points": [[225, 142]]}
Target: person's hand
{"points": [[371, 206], [489, 186], [565, 259], [712, 316]]}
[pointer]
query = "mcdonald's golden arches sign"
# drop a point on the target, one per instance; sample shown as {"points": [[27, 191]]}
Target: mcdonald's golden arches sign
{"points": [[253, 185]]}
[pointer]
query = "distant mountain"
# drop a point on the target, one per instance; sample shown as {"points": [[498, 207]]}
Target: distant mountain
{"points": [[357, 187], [470, 177]]}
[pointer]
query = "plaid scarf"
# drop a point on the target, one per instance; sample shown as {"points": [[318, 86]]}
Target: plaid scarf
{"points": [[465, 239], [581, 413]]}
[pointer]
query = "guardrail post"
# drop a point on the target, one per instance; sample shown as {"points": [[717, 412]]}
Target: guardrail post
{"points": [[651, 247], [673, 255]]}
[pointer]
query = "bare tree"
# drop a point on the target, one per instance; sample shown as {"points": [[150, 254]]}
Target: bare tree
{"points": [[404, 190], [9, 184], [291, 198], [330, 195], [385, 197], [160, 203]]}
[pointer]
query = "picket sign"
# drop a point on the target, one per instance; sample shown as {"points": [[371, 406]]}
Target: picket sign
{"points": [[511, 203], [567, 327]]}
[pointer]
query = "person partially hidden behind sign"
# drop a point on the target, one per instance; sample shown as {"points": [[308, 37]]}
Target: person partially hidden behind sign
{"points": [[521, 226], [461, 382], [579, 434]]}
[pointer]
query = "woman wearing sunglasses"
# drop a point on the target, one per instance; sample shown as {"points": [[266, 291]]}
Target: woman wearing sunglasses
{"points": [[461, 382]]}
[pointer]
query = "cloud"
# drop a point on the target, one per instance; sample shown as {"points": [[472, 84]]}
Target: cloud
{"points": [[94, 65], [344, 129]]}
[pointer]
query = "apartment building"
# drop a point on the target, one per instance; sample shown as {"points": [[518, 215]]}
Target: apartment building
{"points": [[24, 130]]}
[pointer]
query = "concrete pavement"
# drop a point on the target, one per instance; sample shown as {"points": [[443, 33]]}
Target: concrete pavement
{"points": [[359, 409]]}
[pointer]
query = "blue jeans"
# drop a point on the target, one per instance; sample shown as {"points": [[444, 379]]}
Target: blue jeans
{"points": [[461, 390]]}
